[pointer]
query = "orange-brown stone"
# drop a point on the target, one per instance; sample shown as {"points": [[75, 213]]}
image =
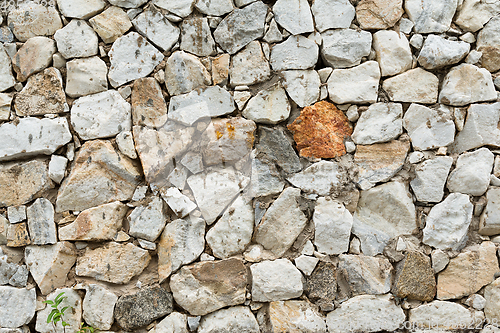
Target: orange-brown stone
{"points": [[320, 131]]}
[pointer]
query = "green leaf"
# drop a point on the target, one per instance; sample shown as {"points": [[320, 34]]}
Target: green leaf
{"points": [[48, 302], [59, 296], [51, 314], [60, 300], [57, 317], [65, 323], [64, 309]]}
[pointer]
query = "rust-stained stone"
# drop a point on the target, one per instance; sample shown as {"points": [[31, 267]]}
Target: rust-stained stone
{"points": [[379, 14], [148, 105], [220, 69], [491, 58], [17, 235], [415, 278], [320, 131]]}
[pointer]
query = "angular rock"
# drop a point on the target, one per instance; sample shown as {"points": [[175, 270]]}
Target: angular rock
{"points": [[17, 306], [241, 26], [113, 262], [131, 57], [273, 34], [297, 52], [355, 85], [98, 307], [321, 286], [378, 14], [322, 178], [413, 86], [73, 317], [447, 223], [49, 265], [269, 106], [276, 280], [439, 52], [155, 27], [101, 115], [184, 73], [491, 309], [178, 202], [473, 14], [344, 48], [303, 86], [96, 224], [489, 224], [275, 147], [33, 136], [111, 23], [295, 316], [332, 14], [181, 243], [393, 52], [472, 172], [81, 9], [180, 8], [127, 3], [431, 175], [430, 15], [249, 66], [284, 214], [488, 43], [100, 175], [4, 227], [380, 123], [294, 16], [332, 223], [265, 178], [140, 309], [30, 19], [467, 84], [414, 278], [196, 37], [5, 102], [233, 319], [86, 76], [34, 56], [41, 223], [220, 69], [147, 222], [148, 104], [125, 143], [173, 323], [440, 315], [17, 235], [388, 208], [211, 285], [214, 7], [71, 46], [6, 78], [439, 260], [306, 264], [320, 131]]}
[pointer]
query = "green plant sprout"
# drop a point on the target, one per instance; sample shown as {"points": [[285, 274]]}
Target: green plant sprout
{"points": [[57, 315]]}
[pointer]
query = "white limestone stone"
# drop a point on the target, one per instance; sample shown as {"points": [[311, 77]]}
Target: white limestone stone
{"points": [[276, 280], [180, 8], [431, 15], [439, 52], [355, 85], [175, 322], [472, 172], [490, 223], [473, 14], [16, 214], [440, 315], [34, 56], [41, 223], [76, 40], [249, 66], [6, 78], [98, 306], [297, 52], [417, 41], [125, 142], [439, 260], [393, 52], [332, 223], [344, 48], [380, 123], [476, 301], [155, 27], [488, 42], [80, 9], [73, 316], [214, 7], [57, 168], [30, 19], [265, 179], [269, 106], [413, 86], [447, 223], [178, 202], [332, 14], [233, 319], [306, 264], [430, 179], [273, 34], [5, 103], [147, 222], [294, 15], [196, 37], [320, 178], [127, 3], [4, 227], [17, 306], [86, 76], [184, 72]]}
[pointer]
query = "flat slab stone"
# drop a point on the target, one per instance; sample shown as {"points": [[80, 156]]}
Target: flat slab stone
{"points": [[294, 15], [378, 14], [30, 19], [276, 148], [196, 37], [233, 319], [332, 223], [414, 86], [41, 223], [332, 14], [303, 86], [6, 78], [473, 14], [111, 23], [343, 48], [322, 178], [380, 123], [86, 45], [276, 280], [214, 7], [148, 105], [297, 52], [355, 85], [81, 9], [86, 76], [431, 176], [34, 56]]}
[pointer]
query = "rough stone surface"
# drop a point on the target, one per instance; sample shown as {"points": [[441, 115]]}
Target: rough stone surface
{"points": [[147, 222], [98, 307], [73, 318], [31, 19], [472, 172], [41, 222], [34, 56], [76, 40], [249, 66], [294, 15], [414, 278], [321, 286], [175, 322], [431, 175], [473, 14], [86, 76], [111, 23], [413, 86], [6, 78], [322, 178], [265, 179], [438, 52], [295, 316], [155, 27], [332, 14], [378, 14], [332, 222], [297, 52], [441, 315], [380, 123], [430, 15], [303, 86], [276, 147], [269, 106], [17, 306], [214, 8], [233, 319], [393, 52], [492, 296], [488, 43], [178, 202], [180, 8], [489, 224], [344, 48], [148, 105], [81, 9], [268, 282], [355, 85]]}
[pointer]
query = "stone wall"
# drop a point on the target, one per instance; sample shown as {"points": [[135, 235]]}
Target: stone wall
{"points": [[250, 166]]}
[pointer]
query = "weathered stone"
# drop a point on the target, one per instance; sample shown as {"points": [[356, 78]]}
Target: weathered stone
{"points": [[175, 322], [491, 308], [440, 315], [180, 8], [276, 280], [241, 26], [275, 147], [77, 39], [378, 14], [125, 143], [155, 27], [5, 102], [322, 178], [6, 78], [98, 307], [214, 7], [17, 235], [249, 66], [95, 224], [380, 123], [467, 84], [233, 319], [284, 214], [303, 86], [181, 243], [220, 69], [265, 178], [273, 34], [111, 23], [17, 306], [269, 106], [295, 16], [30, 19], [86, 76], [49, 265], [211, 285], [34, 56], [472, 172], [131, 57], [73, 317], [321, 286], [488, 42], [332, 224], [413, 86], [184, 73], [4, 227], [113, 262], [439, 52], [415, 278], [332, 14], [297, 52], [180, 204], [16, 214], [100, 175], [306, 264], [439, 260], [147, 222], [447, 223], [148, 104], [393, 52], [473, 14], [140, 309], [344, 48], [41, 223], [431, 15], [489, 224], [295, 316], [355, 85], [81, 9], [196, 37], [430, 179]]}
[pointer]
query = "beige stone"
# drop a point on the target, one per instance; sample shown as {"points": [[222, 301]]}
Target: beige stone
{"points": [[295, 317], [5, 101], [148, 104], [111, 24], [30, 19], [492, 296], [34, 56], [17, 235], [220, 69], [378, 14]]}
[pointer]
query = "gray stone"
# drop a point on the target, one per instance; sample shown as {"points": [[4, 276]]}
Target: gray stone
{"points": [[380, 123], [488, 42], [473, 14], [439, 52], [41, 223], [490, 224], [180, 8], [6, 78], [414, 86], [344, 48], [269, 106], [16, 214], [155, 27], [439, 260], [81, 9], [33, 57], [332, 226], [86, 76], [321, 286], [276, 280], [265, 178], [214, 7], [303, 86], [30, 19], [294, 15], [76, 40], [472, 172], [430, 179], [431, 15], [196, 37], [297, 52], [332, 14], [273, 34], [184, 73], [275, 147], [147, 222], [355, 85], [125, 142], [127, 3], [180, 204], [233, 319], [393, 52], [321, 178], [175, 322], [98, 307], [249, 66], [20, 277]]}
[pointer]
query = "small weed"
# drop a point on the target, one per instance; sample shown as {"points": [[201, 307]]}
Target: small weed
{"points": [[57, 315]]}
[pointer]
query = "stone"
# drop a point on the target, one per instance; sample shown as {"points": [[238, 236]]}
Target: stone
{"points": [[295, 316], [111, 23], [181, 243], [472, 172], [265, 179], [491, 295], [214, 8], [184, 73], [294, 16], [140, 309], [33, 136], [438, 52], [366, 313], [113, 262], [233, 319], [417, 41], [16, 214], [125, 143], [355, 85], [414, 278], [50, 264], [378, 14], [413, 86], [4, 227], [241, 26], [175, 322], [6, 78], [275, 147], [41, 223], [96, 224], [71, 46], [296, 52], [283, 214], [393, 52], [332, 223], [322, 178], [388, 208], [210, 285], [98, 306], [380, 123], [359, 275], [276, 280], [155, 27], [193, 161], [20, 277], [344, 48], [148, 105], [220, 69], [332, 14], [303, 86], [473, 14], [429, 128], [73, 318], [33, 57], [380, 162], [80, 9], [440, 315], [147, 222], [431, 16], [273, 34], [17, 235], [269, 106], [5, 102], [488, 42], [178, 202], [249, 66], [215, 189], [489, 224], [306, 264], [30, 19], [439, 260], [431, 176], [233, 232], [321, 286], [21, 182], [180, 8], [447, 223], [372, 240], [17, 306], [467, 84], [86, 76], [131, 57], [100, 175], [196, 37]]}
